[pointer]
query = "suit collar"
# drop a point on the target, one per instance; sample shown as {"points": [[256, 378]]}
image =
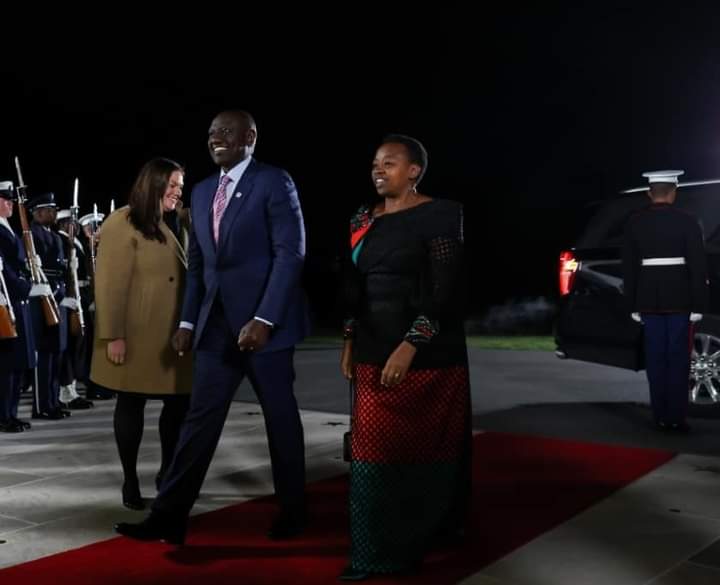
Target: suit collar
{"points": [[236, 173]]}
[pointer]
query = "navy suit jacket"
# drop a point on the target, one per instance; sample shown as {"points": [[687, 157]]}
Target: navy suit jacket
{"points": [[257, 264]]}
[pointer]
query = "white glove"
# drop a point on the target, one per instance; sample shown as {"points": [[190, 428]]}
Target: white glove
{"points": [[74, 263], [92, 307], [70, 303], [37, 261], [636, 317], [695, 317], [40, 290]]}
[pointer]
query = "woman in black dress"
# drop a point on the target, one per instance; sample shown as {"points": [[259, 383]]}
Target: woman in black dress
{"points": [[405, 349]]}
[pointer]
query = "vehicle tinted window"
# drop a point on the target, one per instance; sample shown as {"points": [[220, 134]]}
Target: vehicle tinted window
{"points": [[704, 203], [607, 225]]}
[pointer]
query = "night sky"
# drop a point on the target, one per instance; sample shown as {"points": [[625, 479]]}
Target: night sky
{"points": [[528, 115]]}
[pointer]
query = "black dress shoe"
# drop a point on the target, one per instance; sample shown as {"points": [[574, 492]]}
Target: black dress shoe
{"points": [[351, 574], [10, 426], [682, 427], [99, 395], [287, 525], [65, 413], [25, 424], [155, 528], [79, 403], [51, 415], [131, 496]]}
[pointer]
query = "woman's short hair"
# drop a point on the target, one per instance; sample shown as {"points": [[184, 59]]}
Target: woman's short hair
{"points": [[416, 151]]}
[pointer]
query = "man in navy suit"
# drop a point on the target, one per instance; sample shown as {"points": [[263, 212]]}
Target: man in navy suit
{"points": [[243, 313]]}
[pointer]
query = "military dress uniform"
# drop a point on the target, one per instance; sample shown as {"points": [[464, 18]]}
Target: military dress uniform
{"points": [[90, 222], [18, 354], [73, 360], [51, 340], [665, 274]]}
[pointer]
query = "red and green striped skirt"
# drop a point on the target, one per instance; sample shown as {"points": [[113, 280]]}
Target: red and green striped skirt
{"points": [[409, 471]]}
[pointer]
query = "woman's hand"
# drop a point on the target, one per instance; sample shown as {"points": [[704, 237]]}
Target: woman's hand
{"points": [[398, 364], [116, 350], [346, 361]]}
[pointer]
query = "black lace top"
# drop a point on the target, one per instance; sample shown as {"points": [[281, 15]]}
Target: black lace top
{"points": [[405, 281]]}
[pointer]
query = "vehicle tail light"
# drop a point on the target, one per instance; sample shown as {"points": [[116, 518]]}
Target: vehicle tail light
{"points": [[567, 270]]}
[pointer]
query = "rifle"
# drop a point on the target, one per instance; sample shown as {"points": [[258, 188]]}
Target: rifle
{"points": [[93, 242], [47, 302], [77, 321], [7, 315]]}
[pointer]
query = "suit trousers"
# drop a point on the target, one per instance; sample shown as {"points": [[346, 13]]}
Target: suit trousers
{"points": [[219, 368]]}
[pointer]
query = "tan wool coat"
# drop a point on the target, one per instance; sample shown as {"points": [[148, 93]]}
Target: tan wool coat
{"points": [[139, 287]]}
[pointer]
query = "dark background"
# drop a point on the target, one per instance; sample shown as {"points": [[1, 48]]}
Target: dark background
{"points": [[528, 115]]}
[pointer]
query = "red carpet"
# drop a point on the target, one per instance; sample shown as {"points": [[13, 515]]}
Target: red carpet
{"points": [[523, 486]]}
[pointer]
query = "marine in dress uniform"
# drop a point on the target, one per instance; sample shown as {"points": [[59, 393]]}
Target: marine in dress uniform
{"points": [[665, 273], [18, 354]]}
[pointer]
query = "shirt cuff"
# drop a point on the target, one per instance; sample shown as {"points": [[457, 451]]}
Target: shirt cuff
{"points": [[263, 321], [187, 325]]}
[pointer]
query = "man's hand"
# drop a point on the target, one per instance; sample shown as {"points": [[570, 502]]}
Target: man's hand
{"points": [[695, 317], [398, 364], [253, 336], [346, 361], [182, 340], [116, 350], [636, 317]]}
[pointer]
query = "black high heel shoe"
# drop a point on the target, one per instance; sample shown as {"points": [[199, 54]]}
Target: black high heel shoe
{"points": [[131, 496], [155, 528], [350, 573]]}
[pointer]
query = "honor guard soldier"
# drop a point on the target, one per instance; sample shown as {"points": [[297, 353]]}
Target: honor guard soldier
{"points": [[51, 340], [73, 361], [90, 224], [17, 354], [665, 274]]}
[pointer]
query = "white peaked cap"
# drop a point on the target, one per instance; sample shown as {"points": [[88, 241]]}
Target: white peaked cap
{"points": [[663, 176], [90, 218]]}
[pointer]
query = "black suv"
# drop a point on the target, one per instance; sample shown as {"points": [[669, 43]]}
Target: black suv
{"points": [[594, 323]]}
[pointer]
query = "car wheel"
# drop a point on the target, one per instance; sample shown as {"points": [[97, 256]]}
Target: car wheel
{"points": [[705, 375]]}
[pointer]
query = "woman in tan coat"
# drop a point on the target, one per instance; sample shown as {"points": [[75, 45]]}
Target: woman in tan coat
{"points": [[139, 283]]}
